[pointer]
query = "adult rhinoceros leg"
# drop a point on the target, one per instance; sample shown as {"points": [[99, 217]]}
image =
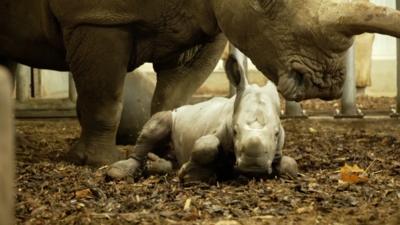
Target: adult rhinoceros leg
{"points": [[98, 58], [156, 133], [202, 163], [179, 78]]}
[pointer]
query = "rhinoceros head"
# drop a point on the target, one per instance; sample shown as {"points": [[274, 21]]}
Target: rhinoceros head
{"points": [[301, 44], [258, 136]]}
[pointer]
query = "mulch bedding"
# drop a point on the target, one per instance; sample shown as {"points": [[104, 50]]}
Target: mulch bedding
{"points": [[52, 191]]}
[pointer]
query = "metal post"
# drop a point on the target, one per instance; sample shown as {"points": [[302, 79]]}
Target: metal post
{"points": [[348, 106], [294, 110], [72, 89], [36, 83], [6, 152], [242, 60], [396, 112], [23, 75]]}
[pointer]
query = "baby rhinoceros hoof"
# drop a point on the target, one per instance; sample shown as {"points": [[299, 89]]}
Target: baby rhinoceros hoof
{"points": [[193, 172], [158, 166], [123, 168]]}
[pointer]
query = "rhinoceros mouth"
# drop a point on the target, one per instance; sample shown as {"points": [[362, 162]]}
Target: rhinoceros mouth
{"points": [[302, 83], [292, 85], [254, 166]]}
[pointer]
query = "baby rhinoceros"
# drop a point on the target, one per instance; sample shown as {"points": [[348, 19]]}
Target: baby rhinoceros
{"points": [[240, 135]]}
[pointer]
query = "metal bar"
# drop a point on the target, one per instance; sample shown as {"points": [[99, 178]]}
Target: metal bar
{"points": [[396, 112], [36, 83], [72, 89], [23, 78], [46, 104], [348, 106], [6, 152], [29, 114], [398, 73], [294, 110]]}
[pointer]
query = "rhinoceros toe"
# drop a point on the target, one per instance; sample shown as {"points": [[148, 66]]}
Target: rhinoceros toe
{"points": [[192, 172], [157, 165]]}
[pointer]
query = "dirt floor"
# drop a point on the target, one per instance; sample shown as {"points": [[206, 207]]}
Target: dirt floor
{"points": [[51, 191]]}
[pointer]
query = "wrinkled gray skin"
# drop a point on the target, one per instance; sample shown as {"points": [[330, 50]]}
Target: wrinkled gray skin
{"points": [[242, 133], [299, 44]]}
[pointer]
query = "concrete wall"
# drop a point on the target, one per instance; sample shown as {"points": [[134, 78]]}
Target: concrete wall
{"points": [[384, 62], [383, 78], [54, 84]]}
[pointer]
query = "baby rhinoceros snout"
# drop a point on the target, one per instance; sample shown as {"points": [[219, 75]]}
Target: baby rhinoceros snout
{"points": [[253, 156], [253, 147]]}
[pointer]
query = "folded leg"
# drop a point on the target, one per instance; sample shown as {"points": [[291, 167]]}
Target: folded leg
{"points": [[201, 166], [155, 135]]}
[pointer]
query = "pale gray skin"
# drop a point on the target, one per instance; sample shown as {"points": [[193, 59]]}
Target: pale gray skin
{"points": [[298, 44], [139, 89], [208, 135]]}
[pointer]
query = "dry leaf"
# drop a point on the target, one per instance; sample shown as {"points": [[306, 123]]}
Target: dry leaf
{"points": [[353, 174], [228, 222], [312, 130], [85, 193], [306, 209], [151, 180], [102, 215], [130, 217], [187, 204]]}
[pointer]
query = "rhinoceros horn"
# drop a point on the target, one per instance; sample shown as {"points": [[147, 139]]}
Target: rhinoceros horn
{"points": [[352, 18]]}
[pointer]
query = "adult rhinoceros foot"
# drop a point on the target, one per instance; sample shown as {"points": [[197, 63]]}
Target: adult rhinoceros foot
{"points": [[93, 156], [123, 169]]}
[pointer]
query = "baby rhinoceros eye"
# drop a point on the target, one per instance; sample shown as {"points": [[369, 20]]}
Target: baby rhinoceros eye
{"points": [[235, 130], [277, 134]]}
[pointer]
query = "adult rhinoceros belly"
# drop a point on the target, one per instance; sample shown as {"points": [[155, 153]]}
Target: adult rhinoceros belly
{"points": [[104, 12], [29, 34], [191, 122]]}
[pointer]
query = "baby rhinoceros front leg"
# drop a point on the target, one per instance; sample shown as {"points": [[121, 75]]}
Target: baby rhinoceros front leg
{"points": [[201, 165], [155, 133]]}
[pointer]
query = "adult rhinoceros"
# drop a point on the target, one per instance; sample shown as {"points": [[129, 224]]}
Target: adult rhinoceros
{"points": [[298, 44]]}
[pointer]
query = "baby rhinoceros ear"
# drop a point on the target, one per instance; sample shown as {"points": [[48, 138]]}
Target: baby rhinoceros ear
{"points": [[235, 73], [264, 6]]}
